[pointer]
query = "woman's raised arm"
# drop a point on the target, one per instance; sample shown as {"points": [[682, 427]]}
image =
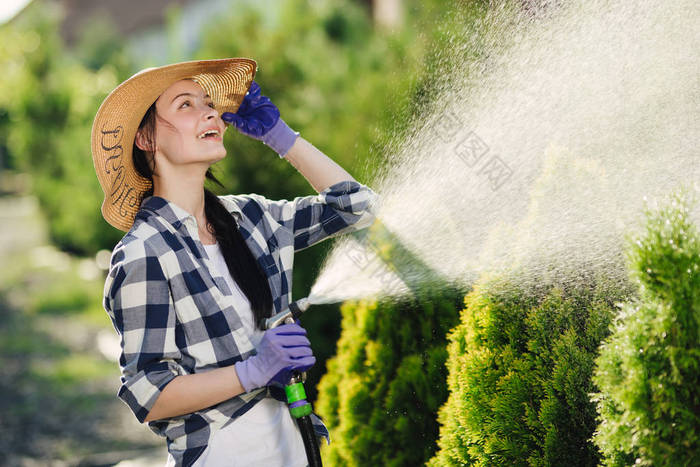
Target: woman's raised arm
{"points": [[319, 169], [259, 118]]}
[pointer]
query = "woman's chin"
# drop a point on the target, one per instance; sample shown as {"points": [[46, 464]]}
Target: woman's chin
{"points": [[217, 156]]}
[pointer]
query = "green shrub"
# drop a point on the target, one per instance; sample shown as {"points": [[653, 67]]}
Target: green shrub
{"points": [[520, 365], [51, 100], [649, 369], [383, 388], [521, 361]]}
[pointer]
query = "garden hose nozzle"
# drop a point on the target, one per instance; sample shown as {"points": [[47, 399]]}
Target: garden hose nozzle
{"points": [[289, 315]]}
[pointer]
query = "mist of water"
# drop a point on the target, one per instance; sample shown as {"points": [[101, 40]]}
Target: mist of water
{"points": [[543, 151]]}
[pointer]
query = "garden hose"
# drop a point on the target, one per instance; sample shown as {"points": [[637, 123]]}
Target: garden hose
{"points": [[299, 407]]}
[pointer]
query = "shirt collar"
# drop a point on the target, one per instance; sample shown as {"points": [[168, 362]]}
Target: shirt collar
{"points": [[176, 215]]}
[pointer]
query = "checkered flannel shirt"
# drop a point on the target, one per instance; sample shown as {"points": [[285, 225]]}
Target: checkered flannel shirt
{"points": [[174, 318]]}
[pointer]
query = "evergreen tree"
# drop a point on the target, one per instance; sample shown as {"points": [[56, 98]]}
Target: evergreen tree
{"points": [[520, 366], [521, 361], [383, 388], [649, 369]]}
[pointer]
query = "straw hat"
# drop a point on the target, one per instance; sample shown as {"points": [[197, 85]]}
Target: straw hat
{"points": [[117, 120]]}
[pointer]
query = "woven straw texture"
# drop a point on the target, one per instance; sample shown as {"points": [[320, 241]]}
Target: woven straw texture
{"points": [[118, 118]]}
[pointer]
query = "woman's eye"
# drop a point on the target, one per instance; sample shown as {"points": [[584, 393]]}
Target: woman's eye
{"points": [[211, 104], [186, 102]]}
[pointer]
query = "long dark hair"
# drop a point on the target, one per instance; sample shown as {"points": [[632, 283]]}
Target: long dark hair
{"points": [[242, 265]]}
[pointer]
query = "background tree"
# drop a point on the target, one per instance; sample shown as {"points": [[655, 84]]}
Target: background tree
{"points": [[346, 86]]}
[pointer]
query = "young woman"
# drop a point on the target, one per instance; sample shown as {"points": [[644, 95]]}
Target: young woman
{"points": [[196, 275]]}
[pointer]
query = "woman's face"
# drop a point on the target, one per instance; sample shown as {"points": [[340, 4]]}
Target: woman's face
{"points": [[196, 134]]}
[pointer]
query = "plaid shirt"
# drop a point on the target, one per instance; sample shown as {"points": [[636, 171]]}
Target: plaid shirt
{"points": [[174, 318]]}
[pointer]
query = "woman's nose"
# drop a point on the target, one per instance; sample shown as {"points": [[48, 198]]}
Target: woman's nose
{"points": [[210, 112]]}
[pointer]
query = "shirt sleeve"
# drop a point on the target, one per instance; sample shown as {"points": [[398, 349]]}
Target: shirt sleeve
{"points": [[139, 303], [343, 207]]}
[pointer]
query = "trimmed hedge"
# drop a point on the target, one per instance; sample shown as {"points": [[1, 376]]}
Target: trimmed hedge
{"points": [[649, 369], [382, 390], [520, 365]]}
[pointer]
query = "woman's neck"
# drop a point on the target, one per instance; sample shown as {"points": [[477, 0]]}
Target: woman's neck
{"points": [[187, 191]]}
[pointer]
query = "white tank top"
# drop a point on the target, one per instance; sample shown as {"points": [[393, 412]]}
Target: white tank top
{"points": [[265, 435]]}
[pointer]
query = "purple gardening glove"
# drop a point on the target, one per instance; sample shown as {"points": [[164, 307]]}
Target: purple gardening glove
{"points": [[282, 350], [259, 118]]}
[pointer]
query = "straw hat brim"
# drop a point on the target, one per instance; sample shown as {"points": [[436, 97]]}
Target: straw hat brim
{"points": [[225, 80]]}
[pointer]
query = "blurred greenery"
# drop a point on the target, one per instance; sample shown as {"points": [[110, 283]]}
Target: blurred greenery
{"points": [[349, 87], [51, 99], [57, 391]]}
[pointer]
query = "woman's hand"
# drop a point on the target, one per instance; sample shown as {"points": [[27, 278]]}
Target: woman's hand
{"points": [[259, 118], [281, 351]]}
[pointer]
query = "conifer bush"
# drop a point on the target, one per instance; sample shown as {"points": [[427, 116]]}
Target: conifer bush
{"points": [[382, 390], [520, 364], [648, 371]]}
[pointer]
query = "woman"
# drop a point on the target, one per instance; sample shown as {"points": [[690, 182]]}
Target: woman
{"points": [[191, 282]]}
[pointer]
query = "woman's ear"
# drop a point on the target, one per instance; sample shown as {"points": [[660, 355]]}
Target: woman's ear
{"points": [[142, 142]]}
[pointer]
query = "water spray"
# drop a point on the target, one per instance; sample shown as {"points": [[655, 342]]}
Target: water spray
{"points": [[299, 407]]}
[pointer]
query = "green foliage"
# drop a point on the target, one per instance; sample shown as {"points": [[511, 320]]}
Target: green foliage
{"points": [[99, 45], [51, 101], [649, 369], [344, 86], [520, 365], [521, 361], [382, 390], [321, 64]]}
